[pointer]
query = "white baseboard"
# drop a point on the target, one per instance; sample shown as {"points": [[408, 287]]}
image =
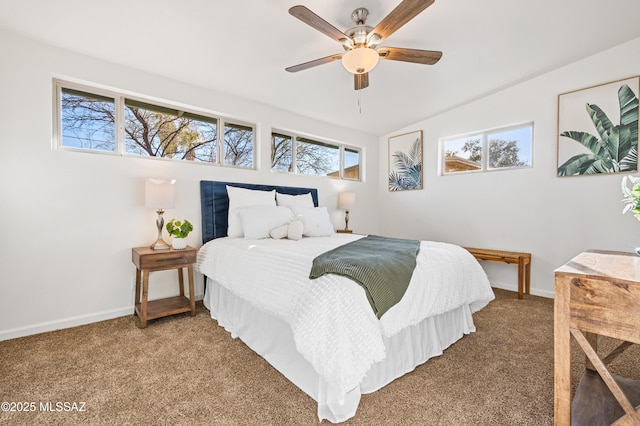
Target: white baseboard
{"points": [[533, 291], [68, 322], [64, 323]]}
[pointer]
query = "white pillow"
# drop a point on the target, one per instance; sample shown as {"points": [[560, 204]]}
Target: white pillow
{"points": [[242, 197], [257, 221], [304, 200], [279, 232], [294, 230], [316, 221]]}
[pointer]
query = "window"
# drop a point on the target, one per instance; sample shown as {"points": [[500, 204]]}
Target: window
{"points": [[97, 120], [313, 157], [155, 131], [88, 121], [351, 164], [281, 152], [504, 148], [238, 145]]}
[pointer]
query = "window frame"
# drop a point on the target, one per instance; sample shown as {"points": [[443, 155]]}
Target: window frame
{"points": [[484, 140], [120, 98], [342, 147]]}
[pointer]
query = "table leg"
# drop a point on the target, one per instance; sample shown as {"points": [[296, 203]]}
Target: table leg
{"points": [[521, 276], [562, 354], [181, 282], [528, 277], [192, 294], [137, 299], [592, 338], [145, 296]]}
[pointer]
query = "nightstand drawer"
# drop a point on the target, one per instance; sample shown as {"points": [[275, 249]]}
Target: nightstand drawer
{"points": [[146, 258]]}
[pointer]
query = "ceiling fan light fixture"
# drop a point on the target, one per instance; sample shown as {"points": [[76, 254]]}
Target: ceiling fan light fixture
{"points": [[360, 60]]}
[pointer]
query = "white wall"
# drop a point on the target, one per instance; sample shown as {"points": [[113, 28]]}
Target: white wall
{"points": [[523, 210], [68, 220]]}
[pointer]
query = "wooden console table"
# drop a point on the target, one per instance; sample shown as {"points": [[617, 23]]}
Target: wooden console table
{"points": [[523, 260], [596, 293]]}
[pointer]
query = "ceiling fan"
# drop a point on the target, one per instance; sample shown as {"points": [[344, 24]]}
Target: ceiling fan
{"points": [[361, 42]]}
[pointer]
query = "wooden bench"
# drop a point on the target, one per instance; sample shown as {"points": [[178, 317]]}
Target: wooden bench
{"points": [[523, 260]]}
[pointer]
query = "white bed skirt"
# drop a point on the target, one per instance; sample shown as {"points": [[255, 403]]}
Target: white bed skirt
{"points": [[272, 339]]}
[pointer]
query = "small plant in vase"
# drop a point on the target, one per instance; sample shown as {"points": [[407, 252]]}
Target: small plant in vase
{"points": [[179, 231], [631, 191]]}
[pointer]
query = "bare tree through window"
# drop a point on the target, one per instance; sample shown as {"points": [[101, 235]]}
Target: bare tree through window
{"points": [[88, 121]]}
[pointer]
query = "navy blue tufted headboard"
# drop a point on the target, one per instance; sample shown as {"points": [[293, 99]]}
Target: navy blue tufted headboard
{"points": [[215, 204]]}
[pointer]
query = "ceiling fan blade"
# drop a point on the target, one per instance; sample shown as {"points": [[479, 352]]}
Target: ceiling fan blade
{"points": [[361, 81], [310, 18], [403, 13], [314, 63], [417, 56]]}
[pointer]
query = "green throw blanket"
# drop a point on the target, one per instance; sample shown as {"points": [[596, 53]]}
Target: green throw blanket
{"points": [[382, 266]]}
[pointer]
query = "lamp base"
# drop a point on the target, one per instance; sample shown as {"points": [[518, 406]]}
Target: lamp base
{"points": [[160, 244]]}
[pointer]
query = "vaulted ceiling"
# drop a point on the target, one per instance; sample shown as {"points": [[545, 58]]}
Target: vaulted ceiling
{"points": [[242, 47]]}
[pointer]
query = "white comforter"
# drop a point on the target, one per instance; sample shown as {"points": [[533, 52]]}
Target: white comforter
{"points": [[333, 325]]}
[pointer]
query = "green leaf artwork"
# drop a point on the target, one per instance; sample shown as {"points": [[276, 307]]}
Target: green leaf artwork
{"points": [[615, 148], [407, 172]]}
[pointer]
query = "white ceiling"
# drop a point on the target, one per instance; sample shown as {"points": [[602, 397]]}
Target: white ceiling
{"points": [[242, 47]]}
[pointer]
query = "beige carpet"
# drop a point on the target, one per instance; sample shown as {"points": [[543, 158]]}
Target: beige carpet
{"points": [[184, 370]]}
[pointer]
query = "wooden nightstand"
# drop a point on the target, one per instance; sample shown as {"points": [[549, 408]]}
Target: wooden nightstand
{"points": [[148, 260]]}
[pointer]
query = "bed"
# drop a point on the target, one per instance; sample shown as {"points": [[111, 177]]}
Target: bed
{"points": [[322, 334]]}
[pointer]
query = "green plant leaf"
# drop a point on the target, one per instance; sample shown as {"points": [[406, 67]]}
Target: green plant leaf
{"points": [[415, 153], [395, 183], [629, 119], [414, 175], [179, 229], [599, 166], [402, 161], [589, 141], [628, 106], [576, 165], [599, 119], [630, 162]]}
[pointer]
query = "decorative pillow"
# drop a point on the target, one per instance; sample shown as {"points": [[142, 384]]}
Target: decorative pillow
{"points": [[304, 200], [294, 230], [315, 221], [280, 232], [242, 197], [291, 231], [257, 221]]}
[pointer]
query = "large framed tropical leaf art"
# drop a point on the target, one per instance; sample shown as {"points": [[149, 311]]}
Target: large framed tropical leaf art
{"points": [[405, 161], [598, 129]]}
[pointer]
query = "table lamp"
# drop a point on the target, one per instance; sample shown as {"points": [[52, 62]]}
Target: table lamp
{"points": [[160, 194], [346, 201]]}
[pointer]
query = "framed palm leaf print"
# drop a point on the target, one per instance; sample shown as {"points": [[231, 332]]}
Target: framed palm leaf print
{"points": [[598, 129], [405, 161]]}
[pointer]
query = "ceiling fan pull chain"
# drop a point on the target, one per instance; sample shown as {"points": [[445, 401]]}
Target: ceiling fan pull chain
{"points": [[360, 101]]}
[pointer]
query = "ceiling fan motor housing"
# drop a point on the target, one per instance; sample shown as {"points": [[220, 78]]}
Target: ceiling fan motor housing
{"points": [[360, 33]]}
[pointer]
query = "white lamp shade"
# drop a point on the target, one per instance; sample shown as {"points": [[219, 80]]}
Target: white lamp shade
{"points": [[360, 60], [160, 194], [346, 200]]}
